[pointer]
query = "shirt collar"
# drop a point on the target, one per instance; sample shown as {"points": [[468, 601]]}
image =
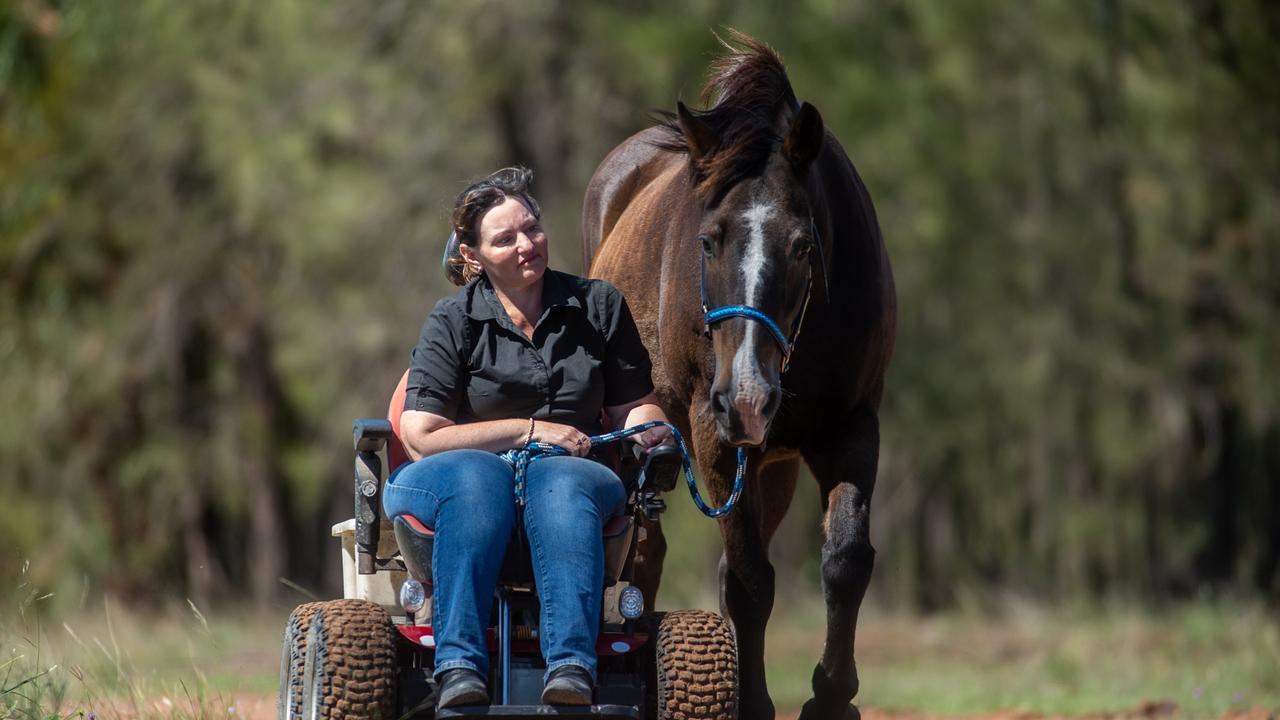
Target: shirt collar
{"points": [[483, 303], [556, 291]]}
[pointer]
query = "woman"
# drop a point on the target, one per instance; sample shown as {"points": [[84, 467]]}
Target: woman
{"points": [[520, 354]]}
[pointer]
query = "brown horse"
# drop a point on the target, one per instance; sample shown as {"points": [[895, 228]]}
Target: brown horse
{"points": [[758, 193]]}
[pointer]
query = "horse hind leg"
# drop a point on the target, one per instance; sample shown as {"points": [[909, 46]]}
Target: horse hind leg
{"points": [[846, 475], [649, 559]]}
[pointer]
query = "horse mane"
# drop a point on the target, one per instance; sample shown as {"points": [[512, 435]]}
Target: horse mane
{"points": [[747, 89]]}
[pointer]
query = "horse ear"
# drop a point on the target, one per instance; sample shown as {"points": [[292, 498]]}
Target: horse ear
{"points": [[805, 137], [697, 135]]}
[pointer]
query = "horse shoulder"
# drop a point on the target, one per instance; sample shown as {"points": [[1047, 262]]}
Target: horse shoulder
{"points": [[636, 254], [632, 250]]}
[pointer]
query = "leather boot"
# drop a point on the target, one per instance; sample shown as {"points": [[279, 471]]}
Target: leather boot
{"points": [[461, 686], [568, 685]]}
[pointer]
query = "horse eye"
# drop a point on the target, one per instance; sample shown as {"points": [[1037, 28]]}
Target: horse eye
{"points": [[707, 249], [802, 250]]}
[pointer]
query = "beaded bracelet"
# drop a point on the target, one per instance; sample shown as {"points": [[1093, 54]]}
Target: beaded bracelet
{"points": [[528, 438]]}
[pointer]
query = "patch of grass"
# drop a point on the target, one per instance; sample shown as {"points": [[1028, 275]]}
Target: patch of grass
{"points": [[29, 681], [106, 662], [1207, 658]]}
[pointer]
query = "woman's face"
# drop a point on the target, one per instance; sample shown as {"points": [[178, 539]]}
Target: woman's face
{"points": [[512, 247]]}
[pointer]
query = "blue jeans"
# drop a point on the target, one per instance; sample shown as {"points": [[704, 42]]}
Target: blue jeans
{"points": [[467, 497]]}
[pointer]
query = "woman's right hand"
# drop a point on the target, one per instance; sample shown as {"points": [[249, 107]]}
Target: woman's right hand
{"points": [[566, 436]]}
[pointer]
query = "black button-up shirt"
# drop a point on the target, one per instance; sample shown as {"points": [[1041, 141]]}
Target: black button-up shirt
{"points": [[472, 363]]}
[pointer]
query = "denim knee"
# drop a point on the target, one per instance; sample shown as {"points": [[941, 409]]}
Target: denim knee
{"points": [[474, 484], [572, 485]]}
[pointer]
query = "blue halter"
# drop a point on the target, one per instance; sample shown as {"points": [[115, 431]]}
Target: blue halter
{"points": [[786, 343]]}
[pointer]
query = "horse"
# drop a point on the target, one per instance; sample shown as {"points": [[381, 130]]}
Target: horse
{"points": [[748, 249]]}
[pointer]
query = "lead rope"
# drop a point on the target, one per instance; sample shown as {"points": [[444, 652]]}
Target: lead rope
{"points": [[521, 457]]}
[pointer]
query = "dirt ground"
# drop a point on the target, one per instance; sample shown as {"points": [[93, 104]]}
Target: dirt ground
{"points": [[259, 707]]}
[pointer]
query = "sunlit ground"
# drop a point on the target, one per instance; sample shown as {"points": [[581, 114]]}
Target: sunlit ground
{"points": [[1207, 659]]}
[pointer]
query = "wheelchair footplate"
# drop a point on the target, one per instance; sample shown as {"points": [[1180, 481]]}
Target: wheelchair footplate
{"points": [[594, 712]]}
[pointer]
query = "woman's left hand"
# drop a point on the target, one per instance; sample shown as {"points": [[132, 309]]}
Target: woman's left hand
{"points": [[566, 436]]}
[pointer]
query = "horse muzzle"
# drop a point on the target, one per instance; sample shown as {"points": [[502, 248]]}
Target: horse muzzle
{"points": [[743, 418]]}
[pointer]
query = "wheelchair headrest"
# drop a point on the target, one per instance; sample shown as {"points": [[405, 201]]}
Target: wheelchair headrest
{"points": [[452, 272]]}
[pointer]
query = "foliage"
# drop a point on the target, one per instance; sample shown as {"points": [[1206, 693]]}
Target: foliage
{"points": [[219, 227]]}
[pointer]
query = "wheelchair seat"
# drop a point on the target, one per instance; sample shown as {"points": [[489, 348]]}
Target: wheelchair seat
{"points": [[416, 542]]}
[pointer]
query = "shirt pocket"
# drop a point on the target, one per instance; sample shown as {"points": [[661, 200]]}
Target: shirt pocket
{"points": [[505, 384], [579, 386]]}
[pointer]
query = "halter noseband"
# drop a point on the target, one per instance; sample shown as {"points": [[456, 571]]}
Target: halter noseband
{"points": [[786, 343]]}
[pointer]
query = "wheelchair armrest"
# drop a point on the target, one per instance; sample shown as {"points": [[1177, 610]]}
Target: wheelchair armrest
{"points": [[371, 435]]}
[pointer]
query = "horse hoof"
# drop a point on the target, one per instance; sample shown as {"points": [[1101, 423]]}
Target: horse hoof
{"points": [[812, 711]]}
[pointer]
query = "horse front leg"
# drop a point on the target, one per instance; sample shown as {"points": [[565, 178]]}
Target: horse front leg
{"points": [[846, 475], [746, 575], [746, 598]]}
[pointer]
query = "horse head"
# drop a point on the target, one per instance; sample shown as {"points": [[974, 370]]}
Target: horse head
{"points": [[758, 241]]}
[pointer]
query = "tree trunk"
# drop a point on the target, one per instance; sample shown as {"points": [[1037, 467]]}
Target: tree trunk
{"points": [[260, 441]]}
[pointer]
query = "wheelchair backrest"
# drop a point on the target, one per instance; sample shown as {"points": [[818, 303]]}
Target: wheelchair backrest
{"points": [[396, 455]]}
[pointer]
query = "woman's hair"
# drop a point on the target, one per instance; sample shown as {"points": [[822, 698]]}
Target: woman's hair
{"points": [[472, 203]]}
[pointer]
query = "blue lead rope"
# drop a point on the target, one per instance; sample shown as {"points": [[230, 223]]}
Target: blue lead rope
{"points": [[521, 457]]}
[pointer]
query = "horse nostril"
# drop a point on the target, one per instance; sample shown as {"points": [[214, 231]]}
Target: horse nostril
{"points": [[772, 400], [720, 404]]}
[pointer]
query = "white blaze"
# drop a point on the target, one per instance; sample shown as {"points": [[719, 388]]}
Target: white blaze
{"points": [[753, 260], [749, 386]]}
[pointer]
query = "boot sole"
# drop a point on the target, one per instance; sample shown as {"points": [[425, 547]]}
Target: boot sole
{"points": [[468, 696]]}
